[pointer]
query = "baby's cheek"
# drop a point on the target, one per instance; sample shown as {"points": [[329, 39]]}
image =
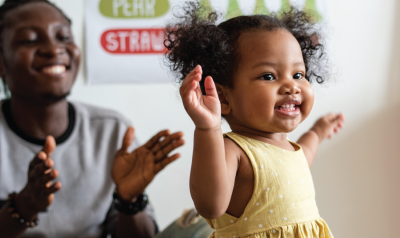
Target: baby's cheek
{"points": [[307, 100]]}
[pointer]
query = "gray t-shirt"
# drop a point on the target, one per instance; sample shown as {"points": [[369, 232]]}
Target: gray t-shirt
{"points": [[83, 157]]}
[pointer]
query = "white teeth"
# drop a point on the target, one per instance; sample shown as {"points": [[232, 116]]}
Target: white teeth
{"points": [[289, 107], [56, 69]]}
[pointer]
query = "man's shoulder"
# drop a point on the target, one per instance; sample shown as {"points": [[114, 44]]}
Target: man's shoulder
{"points": [[98, 114]]}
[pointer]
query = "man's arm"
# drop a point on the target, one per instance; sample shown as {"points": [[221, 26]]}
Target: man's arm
{"points": [[36, 196], [139, 225], [133, 172], [9, 227]]}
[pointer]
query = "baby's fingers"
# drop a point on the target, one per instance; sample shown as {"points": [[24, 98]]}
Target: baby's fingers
{"points": [[190, 85], [210, 88], [196, 70]]}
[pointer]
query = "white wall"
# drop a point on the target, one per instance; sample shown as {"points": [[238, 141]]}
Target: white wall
{"points": [[356, 174]]}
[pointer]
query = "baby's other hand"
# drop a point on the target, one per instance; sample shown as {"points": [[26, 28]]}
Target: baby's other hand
{"points": [[327, 125]]}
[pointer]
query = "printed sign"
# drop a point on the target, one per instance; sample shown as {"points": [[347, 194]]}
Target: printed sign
{"points": [[124, 38]]}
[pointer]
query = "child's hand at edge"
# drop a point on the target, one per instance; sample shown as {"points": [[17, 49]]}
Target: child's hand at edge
{"points": [[327, 125], [205, 110]]}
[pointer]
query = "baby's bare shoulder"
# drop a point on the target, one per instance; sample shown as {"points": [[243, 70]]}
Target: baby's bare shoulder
{"points": [[233, 150]]}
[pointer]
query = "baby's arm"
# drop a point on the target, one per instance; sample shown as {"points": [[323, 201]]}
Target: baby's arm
{"points": [[323, 128], [212, 176]]}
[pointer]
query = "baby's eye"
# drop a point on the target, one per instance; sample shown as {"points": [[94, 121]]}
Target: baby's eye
{"points": [[268, 77], [298, 76]]}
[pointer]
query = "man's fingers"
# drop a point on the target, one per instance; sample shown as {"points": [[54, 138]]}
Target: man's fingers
{"points": [[49, 146], [40, 169], [167, 140], [43, 180], [149, 145], [52, 189], [166, 150], [39, 158], [127, 140], [161, 164]]}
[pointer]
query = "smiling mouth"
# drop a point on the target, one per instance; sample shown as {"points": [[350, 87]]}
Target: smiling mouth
{"points": [[54, 69], [288, 107]]}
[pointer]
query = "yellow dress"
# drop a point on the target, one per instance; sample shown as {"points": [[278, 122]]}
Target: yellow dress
{"points": [[283, 201]]}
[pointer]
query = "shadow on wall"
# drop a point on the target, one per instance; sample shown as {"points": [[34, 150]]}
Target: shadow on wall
{"points": [[358, 184], [394, 68]]}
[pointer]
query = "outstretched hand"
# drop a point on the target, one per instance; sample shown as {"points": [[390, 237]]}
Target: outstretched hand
{"points": [[205, 110], [133, 172], [39, 191], [327, 125]]}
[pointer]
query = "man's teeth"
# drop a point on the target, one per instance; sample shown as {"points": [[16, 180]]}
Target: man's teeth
{"points": [[288, 107], [56, 69]]}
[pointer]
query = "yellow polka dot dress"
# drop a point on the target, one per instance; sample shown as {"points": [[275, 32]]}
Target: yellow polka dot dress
{"points": [[283, 201]]}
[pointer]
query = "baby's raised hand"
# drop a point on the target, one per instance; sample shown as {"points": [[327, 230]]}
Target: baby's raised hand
{"points": [[205, 110], [327, 125]]}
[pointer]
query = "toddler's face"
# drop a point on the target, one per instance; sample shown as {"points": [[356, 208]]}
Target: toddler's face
{"points": [[270, 92]]}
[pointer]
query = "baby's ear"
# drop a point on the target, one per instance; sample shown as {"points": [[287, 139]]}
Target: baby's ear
{"points": [[222, 95]]}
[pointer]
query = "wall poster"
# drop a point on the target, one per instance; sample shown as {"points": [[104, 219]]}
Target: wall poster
{"points": [[124, 38]]}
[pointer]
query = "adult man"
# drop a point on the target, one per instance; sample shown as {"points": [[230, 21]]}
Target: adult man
{"points": [[39, 62]]}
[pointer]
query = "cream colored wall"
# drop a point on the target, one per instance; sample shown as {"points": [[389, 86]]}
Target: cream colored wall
{"points": [[356, 173]]}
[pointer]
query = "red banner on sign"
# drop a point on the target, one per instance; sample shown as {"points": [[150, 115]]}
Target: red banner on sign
{"points": [[134, 41]]}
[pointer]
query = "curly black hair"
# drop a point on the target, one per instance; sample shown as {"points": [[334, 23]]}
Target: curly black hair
{"points": [[197, 40], [10, 5]]}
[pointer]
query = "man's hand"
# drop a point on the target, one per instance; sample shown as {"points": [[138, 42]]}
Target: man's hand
{"points": [[327, 125], [132, 172], [39, 191]]}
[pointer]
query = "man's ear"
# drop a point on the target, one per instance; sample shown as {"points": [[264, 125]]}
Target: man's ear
{"points": [[223, 98]]}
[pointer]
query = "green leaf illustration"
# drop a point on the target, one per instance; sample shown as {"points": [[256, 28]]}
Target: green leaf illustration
{"points": [[285, 7], [206, 9], [233, 9], [260, 8], [310, 6], [133, 8]]}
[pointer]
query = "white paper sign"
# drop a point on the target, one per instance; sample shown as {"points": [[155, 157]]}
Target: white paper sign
{"points": [[124, 38]]}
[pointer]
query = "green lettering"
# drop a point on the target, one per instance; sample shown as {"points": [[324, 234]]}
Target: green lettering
{"points": [[133, 8]]}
